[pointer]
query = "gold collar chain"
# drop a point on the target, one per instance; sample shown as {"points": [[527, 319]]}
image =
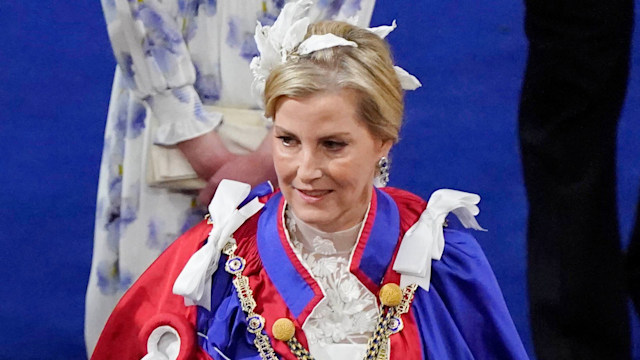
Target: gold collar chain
{"points": [[395, 302]]}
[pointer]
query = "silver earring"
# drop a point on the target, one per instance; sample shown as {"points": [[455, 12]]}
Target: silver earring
{"points": [[382, 176]]}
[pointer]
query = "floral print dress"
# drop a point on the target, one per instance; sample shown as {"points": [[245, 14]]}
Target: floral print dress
{"points": [[174, 58]]}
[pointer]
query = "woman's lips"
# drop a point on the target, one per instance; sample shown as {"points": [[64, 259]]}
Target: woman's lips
{"points": [[312, 195]]}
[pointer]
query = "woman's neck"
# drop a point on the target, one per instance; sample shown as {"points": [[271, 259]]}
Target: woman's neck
{"points": [[343, 241]]}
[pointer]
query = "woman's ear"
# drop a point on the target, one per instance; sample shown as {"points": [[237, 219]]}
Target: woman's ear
{"points": [[385, 147]]}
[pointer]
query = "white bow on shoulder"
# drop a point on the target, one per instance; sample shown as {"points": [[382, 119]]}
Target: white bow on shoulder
{"points": [[424, 241], [194, 282]]}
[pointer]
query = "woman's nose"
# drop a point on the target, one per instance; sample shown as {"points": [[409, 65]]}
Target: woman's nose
{"points": [[309, 166]]}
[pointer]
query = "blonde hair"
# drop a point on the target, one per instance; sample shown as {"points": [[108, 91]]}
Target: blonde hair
{"points": [[367, 69]]}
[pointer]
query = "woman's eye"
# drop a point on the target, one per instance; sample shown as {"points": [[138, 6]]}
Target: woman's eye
{"points": [[334, 145], [287, 140]]}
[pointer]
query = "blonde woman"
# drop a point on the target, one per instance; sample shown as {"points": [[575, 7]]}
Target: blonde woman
{"points": [[181, 108], [329, 266]]}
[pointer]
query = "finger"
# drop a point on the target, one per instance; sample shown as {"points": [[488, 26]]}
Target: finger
{"points": [[206, 194]]}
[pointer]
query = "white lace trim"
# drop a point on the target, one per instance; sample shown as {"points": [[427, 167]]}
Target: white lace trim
{"points": [[349, 311]]}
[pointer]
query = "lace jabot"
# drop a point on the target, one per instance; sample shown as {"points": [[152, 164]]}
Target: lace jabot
{"points": [[348, 313]]}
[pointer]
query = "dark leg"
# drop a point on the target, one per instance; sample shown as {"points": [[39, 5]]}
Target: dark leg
{"points": [[574, 88]]}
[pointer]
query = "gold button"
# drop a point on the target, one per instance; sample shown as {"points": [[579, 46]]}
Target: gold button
{"points": [[391, 294], [283, 329]]}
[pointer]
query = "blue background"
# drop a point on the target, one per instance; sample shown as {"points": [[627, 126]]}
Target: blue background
{"points": [[56, 69]]}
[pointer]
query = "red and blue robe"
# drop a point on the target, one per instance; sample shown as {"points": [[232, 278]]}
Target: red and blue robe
{"points": [[462, 316]]}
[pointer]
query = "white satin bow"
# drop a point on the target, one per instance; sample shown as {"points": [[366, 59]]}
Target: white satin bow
{"points": [[194, 282], [424, 241]]}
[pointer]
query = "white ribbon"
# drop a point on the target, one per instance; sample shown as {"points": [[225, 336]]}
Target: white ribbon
{"points": [[424, 241], [407, 81], [194, 282], [383, 30], [276, 42], [321, 42]]}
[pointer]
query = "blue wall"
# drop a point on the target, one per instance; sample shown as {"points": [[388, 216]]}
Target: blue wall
{"points": [[56, 69]]}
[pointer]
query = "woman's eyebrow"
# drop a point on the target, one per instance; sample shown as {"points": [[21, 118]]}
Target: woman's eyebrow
{"points": [[282, 130], [336, 134]]}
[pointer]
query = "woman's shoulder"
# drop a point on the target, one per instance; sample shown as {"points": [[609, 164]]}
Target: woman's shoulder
{"points": [[405, 197], [410, 206], [191, 240], [462, 246]]}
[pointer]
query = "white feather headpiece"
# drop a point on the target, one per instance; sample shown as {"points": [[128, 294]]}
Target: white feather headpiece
{"points": [[277, 42]]}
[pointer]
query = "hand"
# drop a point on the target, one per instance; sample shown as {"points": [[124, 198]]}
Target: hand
{"points": [[254, 169], [206, 154]]}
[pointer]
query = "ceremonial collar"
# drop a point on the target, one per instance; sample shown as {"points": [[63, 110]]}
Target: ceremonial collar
{"points": [[371, 257]]}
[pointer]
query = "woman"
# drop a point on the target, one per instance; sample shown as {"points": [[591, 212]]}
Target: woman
{"points": [[182, 87], [329, 267]]}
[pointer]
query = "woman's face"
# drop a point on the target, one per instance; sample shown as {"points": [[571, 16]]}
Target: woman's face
{"points": [[325, 158]]}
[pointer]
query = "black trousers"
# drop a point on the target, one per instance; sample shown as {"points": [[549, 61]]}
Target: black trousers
{"points": [[573, 91]]}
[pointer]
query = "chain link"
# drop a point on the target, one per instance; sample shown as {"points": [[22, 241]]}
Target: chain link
{"points": [[407, 298], [248, 303], [377, 347]]}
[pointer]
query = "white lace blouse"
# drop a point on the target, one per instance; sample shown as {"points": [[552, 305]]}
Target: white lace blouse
{"points": [[340, 326]]}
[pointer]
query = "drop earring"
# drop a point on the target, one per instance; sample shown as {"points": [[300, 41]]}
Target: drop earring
{"points": [[382, 172]]}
